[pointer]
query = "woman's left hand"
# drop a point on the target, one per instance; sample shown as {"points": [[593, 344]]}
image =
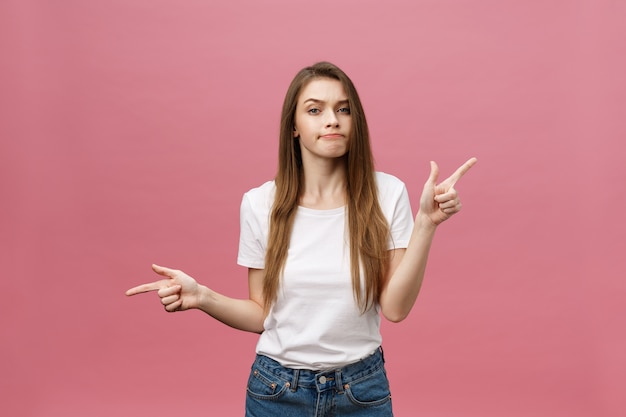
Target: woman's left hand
{"points": [[440, 201]]}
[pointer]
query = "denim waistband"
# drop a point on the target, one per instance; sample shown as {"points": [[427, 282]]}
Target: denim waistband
{"points": [[326, 379]]}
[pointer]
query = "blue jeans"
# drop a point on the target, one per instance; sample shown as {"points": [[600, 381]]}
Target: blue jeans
{"points": [[360, 389]]}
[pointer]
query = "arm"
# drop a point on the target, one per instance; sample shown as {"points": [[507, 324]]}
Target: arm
{"points": [[178, 292], [407, 266]]}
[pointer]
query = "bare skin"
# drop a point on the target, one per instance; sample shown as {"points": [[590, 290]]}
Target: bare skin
{"points": [[322, 123], [439, 201]]}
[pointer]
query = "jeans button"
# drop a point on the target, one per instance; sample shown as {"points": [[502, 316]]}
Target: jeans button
{"points": [[322, 379]]}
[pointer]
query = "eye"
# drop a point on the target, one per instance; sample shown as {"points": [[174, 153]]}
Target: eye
{"points": [[313, 111], [345, 110]]}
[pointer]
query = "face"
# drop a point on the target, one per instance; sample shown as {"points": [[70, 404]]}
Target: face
{"points": [[322, 120]]}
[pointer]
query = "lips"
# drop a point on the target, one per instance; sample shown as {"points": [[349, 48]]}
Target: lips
{"points": [[332, 136]]}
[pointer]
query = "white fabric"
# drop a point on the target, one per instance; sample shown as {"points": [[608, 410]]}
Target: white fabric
{"points": [[315, 322]]}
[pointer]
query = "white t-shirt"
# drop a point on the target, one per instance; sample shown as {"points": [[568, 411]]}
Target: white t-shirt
{"points": [[315, 322]]}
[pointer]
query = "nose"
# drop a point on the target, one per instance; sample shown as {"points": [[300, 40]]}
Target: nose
{"points": [[331, 119]]}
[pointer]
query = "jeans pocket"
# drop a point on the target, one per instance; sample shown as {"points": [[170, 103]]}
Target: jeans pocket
{"points": [[264, 386], [373, 390]]}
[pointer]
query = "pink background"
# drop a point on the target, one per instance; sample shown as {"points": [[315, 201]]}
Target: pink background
{"points": [[130, 130]]}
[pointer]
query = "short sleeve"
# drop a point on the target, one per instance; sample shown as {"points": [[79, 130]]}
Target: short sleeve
{"points": [[394, 202], [401, 223], [252, 240]]}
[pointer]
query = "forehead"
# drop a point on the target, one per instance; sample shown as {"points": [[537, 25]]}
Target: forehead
{"points": [[323, 89]]}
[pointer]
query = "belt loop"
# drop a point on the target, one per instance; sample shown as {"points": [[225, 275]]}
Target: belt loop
{"points": [[294, 381], [382, 353], [338, 381]]}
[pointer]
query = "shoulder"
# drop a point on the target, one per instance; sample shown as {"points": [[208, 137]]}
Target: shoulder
{"points": [[391, 192], [258, 201], [387, 183], [261, 194]]}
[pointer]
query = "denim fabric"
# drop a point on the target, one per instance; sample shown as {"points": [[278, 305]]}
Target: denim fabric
{"points": [[360, 389]]}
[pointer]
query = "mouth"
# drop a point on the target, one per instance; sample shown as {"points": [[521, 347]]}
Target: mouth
{"points": [[332, 136]]}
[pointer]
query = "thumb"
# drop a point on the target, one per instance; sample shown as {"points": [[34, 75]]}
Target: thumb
{"points": [[161, 270], [434, 173]]}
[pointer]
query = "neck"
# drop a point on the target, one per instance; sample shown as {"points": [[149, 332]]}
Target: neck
{"points": [[324, 184]]}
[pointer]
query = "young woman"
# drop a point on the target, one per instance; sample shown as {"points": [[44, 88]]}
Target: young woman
{"points": [[329, 244]]}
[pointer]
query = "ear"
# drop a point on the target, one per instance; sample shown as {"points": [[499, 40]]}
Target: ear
{"points": [[295, 132]]}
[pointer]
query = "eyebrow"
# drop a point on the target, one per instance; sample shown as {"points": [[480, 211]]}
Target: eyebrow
{"points": [[314, 100]]}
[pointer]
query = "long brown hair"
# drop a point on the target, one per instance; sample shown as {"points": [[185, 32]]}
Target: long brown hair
{"points": [[367, 225]]}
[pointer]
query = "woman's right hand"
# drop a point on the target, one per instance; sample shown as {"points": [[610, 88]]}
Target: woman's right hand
{"points": [[178, 291]]}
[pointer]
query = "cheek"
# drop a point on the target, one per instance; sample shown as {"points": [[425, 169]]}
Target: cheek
{"points": [[303, 128]]}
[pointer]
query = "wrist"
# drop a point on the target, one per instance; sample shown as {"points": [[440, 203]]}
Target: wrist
{"points": [[203, 297], [424, 223]]}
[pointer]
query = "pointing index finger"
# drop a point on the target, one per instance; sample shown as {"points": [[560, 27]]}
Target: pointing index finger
{"points": [[461, 171], [153, 286]]}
